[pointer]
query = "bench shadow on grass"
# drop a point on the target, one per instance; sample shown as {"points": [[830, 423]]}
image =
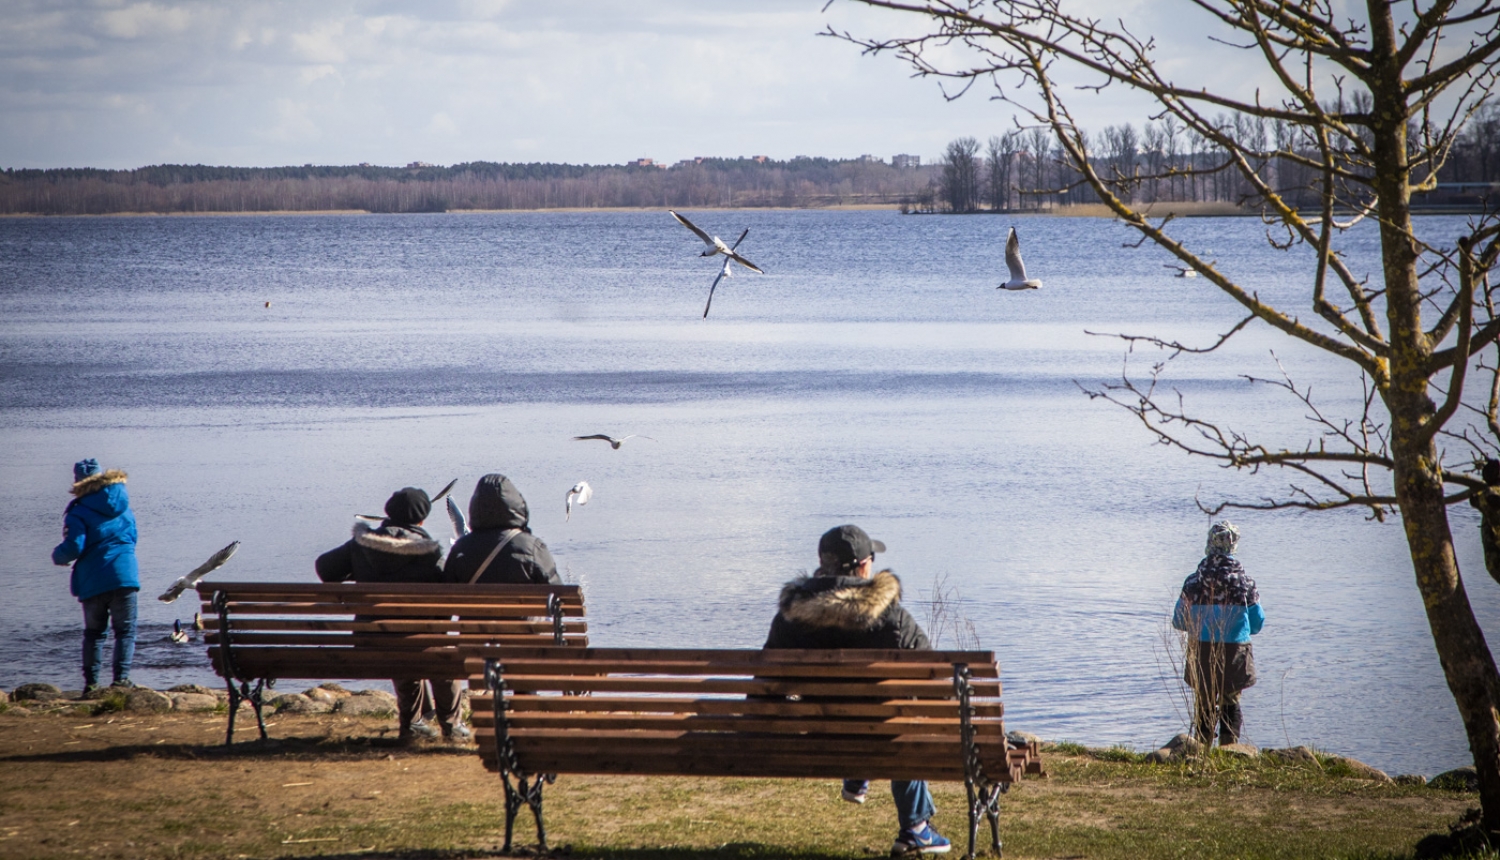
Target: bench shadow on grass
{"points": [[275, 748], [728, 851]]}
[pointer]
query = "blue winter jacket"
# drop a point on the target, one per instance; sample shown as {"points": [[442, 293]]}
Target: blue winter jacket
{"points": [[1219, 602], [99, 536]]}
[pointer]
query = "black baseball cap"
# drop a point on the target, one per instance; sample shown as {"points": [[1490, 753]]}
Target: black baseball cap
{"points": [[846, 545]]}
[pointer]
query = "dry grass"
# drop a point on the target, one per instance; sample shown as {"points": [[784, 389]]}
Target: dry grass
{"points": [[122, 785]]}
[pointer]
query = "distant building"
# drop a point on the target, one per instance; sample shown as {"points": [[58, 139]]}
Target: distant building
{"points": [[759, 159], [689, 162], [642, 162], [906, 162], [413, 166], [870, 159]]}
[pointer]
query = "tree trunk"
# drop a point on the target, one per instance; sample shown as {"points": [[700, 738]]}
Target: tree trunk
{"points": [[1467, 664]]}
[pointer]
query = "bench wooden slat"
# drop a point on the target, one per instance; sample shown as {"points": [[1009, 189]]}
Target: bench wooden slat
{"points": [[975, 659], [475, 611], [402, 626], [742, 723], [910, 671], [377, 642], [483, 706], [299, 590], [741, 686]]}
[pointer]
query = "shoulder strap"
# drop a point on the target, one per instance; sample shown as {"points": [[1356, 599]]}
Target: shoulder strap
{"points": [[509, 536]]}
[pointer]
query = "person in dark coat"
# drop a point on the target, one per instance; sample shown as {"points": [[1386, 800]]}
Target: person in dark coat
{"points": [[99, 537], [498, 518], [1487, 502], [1219, 609], [845, 604], [400, 550]]}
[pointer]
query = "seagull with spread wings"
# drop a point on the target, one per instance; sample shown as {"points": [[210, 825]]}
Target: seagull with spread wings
{"points": [[1018, 279], [613, 442], [724, 272], [581, 493], [716, 245], [214, 562]]}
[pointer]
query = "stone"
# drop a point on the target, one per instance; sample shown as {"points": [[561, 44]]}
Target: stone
{"points": [[334, 687], [1458, 779], [17, 711], [147, 701], [1343, 766], [319, 694], [1292, 755], [1240, 750], [1015, 737], [4, 698], [379, 694], [1161, 756], [193, 701], [1185, 745], [298, 703], [366, 706], [197, 689], [1410, 779], [36, 693]]}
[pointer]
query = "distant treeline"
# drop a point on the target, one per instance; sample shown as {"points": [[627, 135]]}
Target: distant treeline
{"points": [[742, 182]]}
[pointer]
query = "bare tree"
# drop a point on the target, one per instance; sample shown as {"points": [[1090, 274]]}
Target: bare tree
{"points": [[961, 175], [1000, 155], [1427, 67]]}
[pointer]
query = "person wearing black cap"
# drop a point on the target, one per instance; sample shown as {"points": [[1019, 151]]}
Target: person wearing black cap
{"points": [[400, 550], [846, 604]]}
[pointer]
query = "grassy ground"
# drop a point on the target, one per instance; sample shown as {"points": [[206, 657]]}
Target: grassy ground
{"points": [[115, 784]]}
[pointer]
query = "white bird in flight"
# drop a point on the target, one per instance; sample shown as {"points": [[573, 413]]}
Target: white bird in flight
{"points": [[456, 516], [581, 493], [716, 245], [724, 272], [214, 562], [1018, 280], [613, 442], [1182, 271]]}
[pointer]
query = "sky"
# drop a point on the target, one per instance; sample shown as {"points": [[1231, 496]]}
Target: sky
{"points": [[122, 84]]}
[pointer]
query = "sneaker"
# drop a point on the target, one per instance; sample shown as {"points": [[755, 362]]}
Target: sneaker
{"points": [[94, 691], [457, 733], [419, 730], [855, 790], [126, 684], [923, 840]]}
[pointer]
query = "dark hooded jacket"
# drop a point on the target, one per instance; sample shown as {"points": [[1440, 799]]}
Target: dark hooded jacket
{"points": [[99, 536], [495, 509], [388, 553], [845, 612]]}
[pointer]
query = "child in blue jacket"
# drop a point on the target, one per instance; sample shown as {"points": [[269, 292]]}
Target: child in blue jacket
{"points": [[99, 541]]}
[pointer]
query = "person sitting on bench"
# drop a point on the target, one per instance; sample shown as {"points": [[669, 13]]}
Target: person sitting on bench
{"points": [[844, 604], [399, 550]]}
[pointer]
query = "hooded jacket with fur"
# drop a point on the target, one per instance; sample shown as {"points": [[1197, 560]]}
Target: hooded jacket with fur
{"points": [[387, 553], [496, 508], [99, 536], [845, 612]]}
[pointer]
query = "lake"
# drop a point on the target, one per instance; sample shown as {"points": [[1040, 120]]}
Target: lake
{"points": [[872, 375]]}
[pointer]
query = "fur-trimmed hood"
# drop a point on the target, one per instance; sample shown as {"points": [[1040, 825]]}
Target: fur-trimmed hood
{"points": [[98, 481], [395, 540], [841, 602]]}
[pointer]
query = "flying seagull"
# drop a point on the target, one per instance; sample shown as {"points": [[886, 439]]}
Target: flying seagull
{"points": [[613, 442], [456, 516], [581, 493], [214, 562], [724, 272], [716, 245], [179, 636], [1018, 280], [435, 499]]}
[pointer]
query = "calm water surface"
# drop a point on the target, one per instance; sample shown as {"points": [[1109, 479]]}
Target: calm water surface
{"points": [[873, 375]]}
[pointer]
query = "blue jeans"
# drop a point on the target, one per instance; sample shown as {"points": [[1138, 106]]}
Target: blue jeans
{"points": [[913, 800], [114, 609]]}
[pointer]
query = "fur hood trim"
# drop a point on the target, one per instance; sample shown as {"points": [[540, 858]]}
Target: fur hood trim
{"points": [[395, 540], [96, 482], [851, 604]]}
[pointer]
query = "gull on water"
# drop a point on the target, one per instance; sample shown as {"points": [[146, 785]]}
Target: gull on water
{"points": [[214, 562], [179, 636], [716, 245], [613, 442], [1182, 271], [581, 493], [1018, 279], [724, 272]]}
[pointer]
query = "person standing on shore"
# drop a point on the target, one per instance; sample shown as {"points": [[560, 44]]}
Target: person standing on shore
{"points": [[1219, 609], [400, 550], [845, 604], [99, 537]]}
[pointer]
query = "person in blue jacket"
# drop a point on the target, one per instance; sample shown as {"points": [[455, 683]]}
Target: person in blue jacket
{"points": [[99, 541], [1220, 610]]}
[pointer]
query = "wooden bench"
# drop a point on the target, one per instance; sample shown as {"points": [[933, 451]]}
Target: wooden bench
{"points": [[261, 631], [860, 714]]}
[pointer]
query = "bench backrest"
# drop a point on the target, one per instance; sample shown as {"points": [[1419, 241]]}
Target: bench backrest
{"points": [[374, 630], [875, 714]]}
